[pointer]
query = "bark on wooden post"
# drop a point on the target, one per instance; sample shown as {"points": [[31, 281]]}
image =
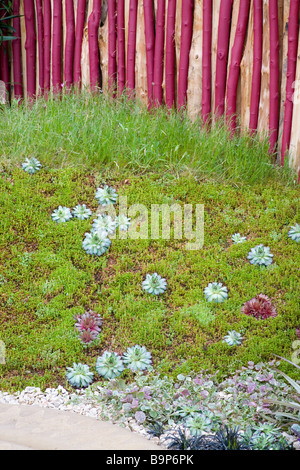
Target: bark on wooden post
{"points": [[93, 26], [80, 14], [158, 73], [149, 40], [40, 43], [257, 63], [274, 75], [206, 60], [47, 45], [56, 46], [121, 69], [30, 45], [170, 54], [291, 74], [131, 45], [112, 45], [236, 57], [222, 56], [70, 44], [17, 56], [185, 45]]}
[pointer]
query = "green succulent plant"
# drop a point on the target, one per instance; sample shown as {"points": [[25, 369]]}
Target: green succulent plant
{"points": [[109, 365], [260, 255], [79, 376], [95, 243], [137, 358], [123, 222], [81, 212], [31, 165], [233, 338], [237, 238], [154, 284], [106, 195], [104, 224], [294, 233], [62, 214], [216, 292]]}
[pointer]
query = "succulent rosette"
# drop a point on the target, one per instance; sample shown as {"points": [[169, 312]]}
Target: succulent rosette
{"points": [[109, 365], [104, 224], [89, 326], [62, 214], [106, 195], [82, 212], [31, 165], [233, 338], [259, 307], [216, 292], [79, 376], [294, 233], [95, 243], [137, 358], [123, 222], [260, 255], [237, 238], [154, 284]]}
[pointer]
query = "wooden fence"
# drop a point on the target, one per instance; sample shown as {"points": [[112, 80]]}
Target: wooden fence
{"points": [[231, 58]]}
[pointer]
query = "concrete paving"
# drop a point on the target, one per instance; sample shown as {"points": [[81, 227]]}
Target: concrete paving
{"points": [[30, 427]]}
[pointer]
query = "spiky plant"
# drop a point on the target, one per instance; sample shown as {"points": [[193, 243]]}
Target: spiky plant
{"points": [[31, 165], [294, 233], [154, 284], [79, 376], [216, 292], [89, 326], [104, 224], [260, 255], [123, 222], [109, 365], [106, 195], [237, 238], [82, 212], [198, 423], [62, 214], [259, 307], [178, 439], [156, 429], [233, 338], [137, 358], [95, 243], [287, 410]]}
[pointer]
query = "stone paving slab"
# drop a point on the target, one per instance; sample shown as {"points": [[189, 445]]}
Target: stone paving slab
{"points": [[35, 428]]}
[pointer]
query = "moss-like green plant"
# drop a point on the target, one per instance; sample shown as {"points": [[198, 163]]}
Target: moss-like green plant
{"points": [[79, 376]]}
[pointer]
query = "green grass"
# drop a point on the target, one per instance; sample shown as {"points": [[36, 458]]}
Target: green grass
{"points": [[46, 277], [93, 132]]}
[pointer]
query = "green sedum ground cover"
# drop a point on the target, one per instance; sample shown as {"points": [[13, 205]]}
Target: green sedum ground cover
{"points": [[46, 277]]}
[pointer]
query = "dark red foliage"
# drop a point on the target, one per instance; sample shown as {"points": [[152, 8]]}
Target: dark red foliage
{"points": [[259, 307]]}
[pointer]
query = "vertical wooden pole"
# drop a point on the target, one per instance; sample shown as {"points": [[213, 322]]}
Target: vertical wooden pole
{"points": [[149, 41], [56, 46], [112, 45], [185, 46], [206, 60], [69, 44], [121, 70], [170, 55], [274, 75], [158, 71], [17, 56], [30, 47]]}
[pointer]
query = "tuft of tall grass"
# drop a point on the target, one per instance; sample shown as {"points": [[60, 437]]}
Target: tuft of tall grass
{"points": [[94, 131]]}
